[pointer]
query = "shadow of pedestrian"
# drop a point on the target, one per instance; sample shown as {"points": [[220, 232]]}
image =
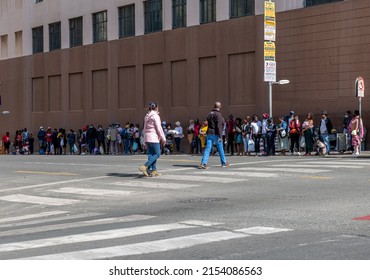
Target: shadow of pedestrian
{"points": [[186, 165]]}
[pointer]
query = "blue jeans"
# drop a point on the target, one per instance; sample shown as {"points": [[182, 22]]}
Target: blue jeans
{"points": [[153, 151], [210, 140], [325, 138]]}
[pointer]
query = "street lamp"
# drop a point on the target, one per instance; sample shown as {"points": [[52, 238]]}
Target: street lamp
{"points": [[281, 82], [5, 112]]}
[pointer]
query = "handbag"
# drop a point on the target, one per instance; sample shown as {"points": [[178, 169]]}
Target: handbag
{"points": [[302, 142], [251, 145]]}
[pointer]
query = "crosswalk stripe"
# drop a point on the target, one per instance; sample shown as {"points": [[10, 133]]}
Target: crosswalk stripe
{"points": [[98, 192], [291, 170], [200, 178], [38, 200], [50, 220], [92, 236], [337, 162], [241, 174], [262, 230], [32, 216], [145, 247], [313, 165], [132, 218], [153, 184]]}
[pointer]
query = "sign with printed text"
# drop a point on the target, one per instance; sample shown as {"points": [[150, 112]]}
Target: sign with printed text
{"points": [[270, 21], [269, 51], [270, 71], [360, 87]]}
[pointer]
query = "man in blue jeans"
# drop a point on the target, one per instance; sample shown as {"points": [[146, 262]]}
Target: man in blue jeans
{"points": [[325, 129], [214, 136]]}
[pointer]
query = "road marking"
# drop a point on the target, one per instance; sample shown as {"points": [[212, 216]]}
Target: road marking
{"points": [[132, 218], [200, 178], [317, 177], [38, 200], [364, 218], [343, 162], [46, 173], [153, 184], [54, 183], [32, 216], [262, 230], [98, 192], [241, 174], [50, 220], [145, 247], [201, 223], [285, 170], [313, 165], [90, 237]]}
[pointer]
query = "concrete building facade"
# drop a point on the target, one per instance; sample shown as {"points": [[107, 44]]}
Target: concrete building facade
{"points": [[320, 49]]}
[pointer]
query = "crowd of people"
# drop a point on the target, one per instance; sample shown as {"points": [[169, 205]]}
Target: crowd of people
{"points": [[252, 135]]}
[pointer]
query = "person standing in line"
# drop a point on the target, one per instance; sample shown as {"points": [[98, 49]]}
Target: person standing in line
{"points": [[270, 137], [325, 129], [153, 138], [356, 129], [178, 136], [283, 135], [256, 126], [295, 127], [230, 135], [307, 131], [246, 134], [196, 140], [6, 143], [214, 135]]}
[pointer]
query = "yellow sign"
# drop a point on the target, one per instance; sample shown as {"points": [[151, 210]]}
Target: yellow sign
{"points": [[269, 51], [270, 21]]}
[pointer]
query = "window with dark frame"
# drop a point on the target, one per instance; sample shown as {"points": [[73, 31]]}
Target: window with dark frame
{"points": [[207, 11], [241, 8], [54, 36], [100, 27], [309, 3], [126, 16], [75, 32], [153, 16], [38, 39], [178, 13]]}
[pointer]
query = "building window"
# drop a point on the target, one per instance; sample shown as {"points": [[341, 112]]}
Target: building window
{"points": [[241, 8], [178, 13], [153, 15], [38, 39], [100, 27], [54, 36], [207, 11], [75, 32], [126, 16], [38, 1], [318, 2]]}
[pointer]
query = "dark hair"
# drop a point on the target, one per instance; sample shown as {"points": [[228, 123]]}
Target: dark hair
{"points": [[152, 106], [356, 112]]}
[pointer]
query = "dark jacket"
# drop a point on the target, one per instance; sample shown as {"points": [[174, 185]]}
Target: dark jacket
{"points": [[329, 125], [215, 123]]}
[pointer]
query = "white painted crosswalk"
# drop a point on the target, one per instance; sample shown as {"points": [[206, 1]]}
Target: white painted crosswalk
{"points": [[126, 240]]}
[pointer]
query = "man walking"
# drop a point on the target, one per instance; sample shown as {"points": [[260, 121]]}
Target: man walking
{"points": [[325, 129], [214, 136]]}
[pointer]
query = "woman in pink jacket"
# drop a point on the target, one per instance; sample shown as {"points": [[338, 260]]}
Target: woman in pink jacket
{"points": [[153, 136]]}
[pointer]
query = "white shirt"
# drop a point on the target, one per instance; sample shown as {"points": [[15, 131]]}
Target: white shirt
{"points": [[178, 132], [323, 128]]}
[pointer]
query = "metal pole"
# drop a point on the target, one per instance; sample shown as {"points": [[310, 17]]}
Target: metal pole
{"points": [[270, 99], [360, 119]]}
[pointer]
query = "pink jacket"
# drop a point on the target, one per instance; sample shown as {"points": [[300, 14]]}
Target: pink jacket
{"points": [[153, 131]]}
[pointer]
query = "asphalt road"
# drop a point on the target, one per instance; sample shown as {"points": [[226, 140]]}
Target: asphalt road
{"points": [[101, 207]]}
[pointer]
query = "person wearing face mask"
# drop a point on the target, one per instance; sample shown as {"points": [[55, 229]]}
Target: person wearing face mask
{"points": [[346, 121], [100, 137]]}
